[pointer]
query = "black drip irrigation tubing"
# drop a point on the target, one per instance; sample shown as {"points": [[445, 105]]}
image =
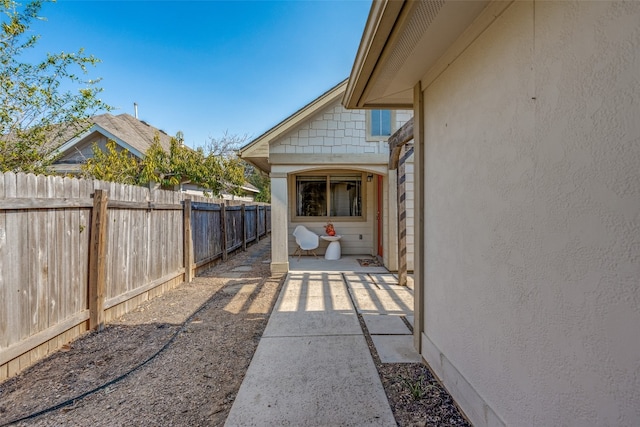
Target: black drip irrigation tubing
{"points": [[115, 380]]}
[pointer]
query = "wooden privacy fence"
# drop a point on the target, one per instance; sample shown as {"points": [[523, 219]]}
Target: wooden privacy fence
{"points": [[75, 254]]}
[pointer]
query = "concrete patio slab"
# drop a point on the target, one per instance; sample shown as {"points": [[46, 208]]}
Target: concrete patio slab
{"points": [[395, 348], [385, 325], [347, 263], [312, 366], [316, 284], [312, 324], [393, 301], [374, 281], [315, 381], [409, 319], [384, 281], [360, 281], [296, 302]]}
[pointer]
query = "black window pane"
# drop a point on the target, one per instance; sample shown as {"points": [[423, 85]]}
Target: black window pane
{"points": [[311, 192], [346, 199]]}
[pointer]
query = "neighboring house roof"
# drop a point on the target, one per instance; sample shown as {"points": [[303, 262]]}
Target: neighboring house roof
{"points": [[127, 131], [256, 152], [386, 68], [249, 188]]}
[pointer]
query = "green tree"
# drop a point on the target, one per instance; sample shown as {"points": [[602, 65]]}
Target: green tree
{"points": [[113, 165], [261, 181], [214, 173], [36, 113]]}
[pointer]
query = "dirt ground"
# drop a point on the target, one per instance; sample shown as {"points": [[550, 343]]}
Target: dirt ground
{"points": [[179, 360]]}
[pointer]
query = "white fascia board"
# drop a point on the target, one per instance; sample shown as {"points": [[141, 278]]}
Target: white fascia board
{"points": [[253, 190]]}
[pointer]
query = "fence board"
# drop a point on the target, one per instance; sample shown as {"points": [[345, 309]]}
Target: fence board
{"points": [[59, 260], [4, 285], [23, 254], [45, 229], [97, 260], [80, 288], [13, 269]]}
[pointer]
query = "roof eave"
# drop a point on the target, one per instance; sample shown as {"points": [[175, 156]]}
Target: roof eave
{"points": [[400, 47], [379, 26]]}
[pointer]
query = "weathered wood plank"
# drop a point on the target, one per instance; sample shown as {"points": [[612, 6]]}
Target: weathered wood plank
{"points": [[223, 229], [206, 206], [5, 280], [397, 140], [57, 260], [16, 350], [244, 227], [111, 302], [129, 245], [43, 282], [50, 234], [402, 218], [44, 203], [79, 253], [132, 205], [187, 243], [24, 184], [84, 238], [97, 260], [117, 256]]}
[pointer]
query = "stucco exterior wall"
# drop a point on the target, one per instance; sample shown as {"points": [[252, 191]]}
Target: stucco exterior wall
{"points": [[532, 222]]}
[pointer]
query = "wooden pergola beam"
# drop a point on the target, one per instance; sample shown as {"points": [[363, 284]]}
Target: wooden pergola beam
{"points": [[397, 140]]}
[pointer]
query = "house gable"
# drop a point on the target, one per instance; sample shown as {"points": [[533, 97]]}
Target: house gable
{"points": [[81, 146], [324, 132], [257, 151], [126, 131], [333, 136]]}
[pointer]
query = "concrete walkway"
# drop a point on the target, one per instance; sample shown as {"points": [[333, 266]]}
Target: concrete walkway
{"points": [[312, 366]]}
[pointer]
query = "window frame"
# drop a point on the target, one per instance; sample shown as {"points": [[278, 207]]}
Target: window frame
{"points": [[376, 138], [293, 196]]}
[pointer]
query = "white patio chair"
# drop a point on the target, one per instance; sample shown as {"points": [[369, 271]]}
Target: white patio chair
{"points": [[306, 239]]}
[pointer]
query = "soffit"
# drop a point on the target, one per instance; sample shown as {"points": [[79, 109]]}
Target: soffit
{"points": [[393, 57]]}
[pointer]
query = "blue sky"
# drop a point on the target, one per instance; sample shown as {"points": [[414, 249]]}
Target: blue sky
{"points": [[209, 67]]}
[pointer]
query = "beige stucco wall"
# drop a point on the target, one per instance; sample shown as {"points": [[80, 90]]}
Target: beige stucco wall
{"points": [[532, 221]]}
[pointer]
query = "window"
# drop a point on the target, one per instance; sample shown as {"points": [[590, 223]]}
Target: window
{"points": [[329, 195], [379, 124]]}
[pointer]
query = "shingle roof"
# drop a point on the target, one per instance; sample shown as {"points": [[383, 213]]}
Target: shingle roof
{"points": [[134, 132]]}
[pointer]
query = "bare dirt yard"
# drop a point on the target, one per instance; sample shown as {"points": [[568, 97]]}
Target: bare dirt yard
{"points": [[179, 360]]}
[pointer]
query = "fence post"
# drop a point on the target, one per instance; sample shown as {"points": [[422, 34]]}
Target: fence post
{"points": [[223, 220], [265, 222], [187, 241], [97, 260], [244, 227], [257, 223]]}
